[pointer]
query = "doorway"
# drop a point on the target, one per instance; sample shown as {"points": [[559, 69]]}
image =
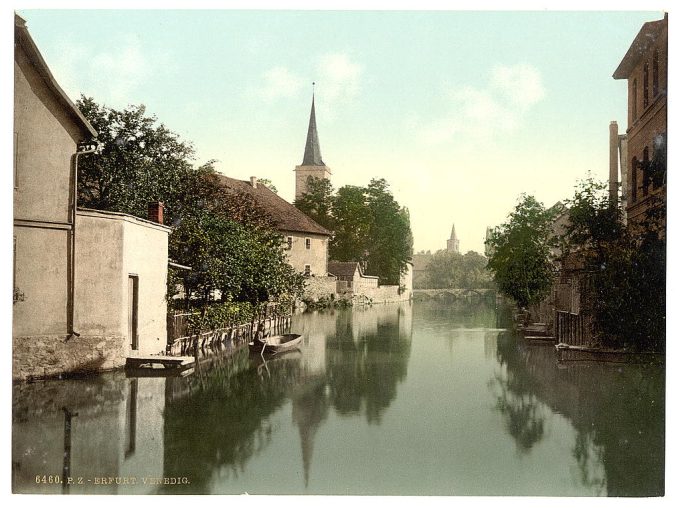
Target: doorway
{"points": [[133, 306]]}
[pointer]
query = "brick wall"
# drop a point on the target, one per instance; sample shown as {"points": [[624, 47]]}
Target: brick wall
{"points": [[645, 124]]}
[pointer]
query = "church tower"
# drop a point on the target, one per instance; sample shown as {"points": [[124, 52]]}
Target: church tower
{"points": [[452, 243], [312, 164]]}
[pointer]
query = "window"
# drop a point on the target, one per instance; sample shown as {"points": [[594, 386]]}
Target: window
{"points": [[645, 171], [16, 160], [289, 242], [308, 270], [308, 243], [633, 104], [645, 86], [633, 180], [655, 73]]}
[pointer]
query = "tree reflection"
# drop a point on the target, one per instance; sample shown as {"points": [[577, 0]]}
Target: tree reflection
{"points": [[517, 401], [365, 364], [616, 410], [222, 421]]}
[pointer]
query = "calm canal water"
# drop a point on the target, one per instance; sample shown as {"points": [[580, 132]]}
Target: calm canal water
{"points": [[424, 398]]}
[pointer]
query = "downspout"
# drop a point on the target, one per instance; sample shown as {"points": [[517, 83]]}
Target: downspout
{"points": [[74, 208]]}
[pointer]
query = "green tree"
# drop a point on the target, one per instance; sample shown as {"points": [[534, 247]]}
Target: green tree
{"points": [[352, 221], [369, 225], [229, 242], [391, 240], [521, 261], [137, 161], [623, 270], [317, 202], [448, 269]]}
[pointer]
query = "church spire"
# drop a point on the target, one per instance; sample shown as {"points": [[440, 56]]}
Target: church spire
{"points": [[312, 155]]}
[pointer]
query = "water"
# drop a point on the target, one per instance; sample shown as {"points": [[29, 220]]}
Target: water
{"points": [[420, 398]]}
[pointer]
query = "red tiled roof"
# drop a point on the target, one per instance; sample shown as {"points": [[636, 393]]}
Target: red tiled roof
{"points": [[284, 214]]}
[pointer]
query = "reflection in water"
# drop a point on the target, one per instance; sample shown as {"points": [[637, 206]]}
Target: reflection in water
{"points": [[617, 412], [402, 399]]}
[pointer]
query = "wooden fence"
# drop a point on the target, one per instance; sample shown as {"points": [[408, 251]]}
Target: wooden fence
{"points": [[573, 329], [182, 342]]}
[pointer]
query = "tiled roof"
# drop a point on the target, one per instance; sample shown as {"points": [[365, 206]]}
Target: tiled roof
{"points": [[284, 214], [342, 268]]}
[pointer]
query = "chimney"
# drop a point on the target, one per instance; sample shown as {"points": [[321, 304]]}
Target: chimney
{"points": [[253, 182], [613, 162], [156, 212]]}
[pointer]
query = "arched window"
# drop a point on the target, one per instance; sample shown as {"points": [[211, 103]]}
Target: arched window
{"points": [[655, 73], [645, 171], [633, 103], [645, 86], [633, 180]]}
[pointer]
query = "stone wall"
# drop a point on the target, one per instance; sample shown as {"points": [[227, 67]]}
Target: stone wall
{"points": [[47, 356], [320, 287], [382, 294]]}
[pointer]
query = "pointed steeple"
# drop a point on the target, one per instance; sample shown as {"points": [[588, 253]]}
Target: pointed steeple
{"points": [[312, 155], [453, 244]]}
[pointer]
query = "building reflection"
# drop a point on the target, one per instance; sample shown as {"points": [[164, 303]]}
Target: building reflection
{"points": [[210, 424], [87, 430]]}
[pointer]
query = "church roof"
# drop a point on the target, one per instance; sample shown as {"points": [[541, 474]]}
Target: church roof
{"points": [[312, 155], [453, 232], [285, 215]]}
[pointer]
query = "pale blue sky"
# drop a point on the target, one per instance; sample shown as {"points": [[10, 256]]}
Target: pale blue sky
{"points": [[459, 111]]}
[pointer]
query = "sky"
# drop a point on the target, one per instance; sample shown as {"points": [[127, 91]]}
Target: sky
{"points": [[460, 112]]}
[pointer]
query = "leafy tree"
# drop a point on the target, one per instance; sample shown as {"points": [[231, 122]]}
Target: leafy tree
{"points": [[352, 225], [448, 269], [230, 243], [521, 260], [137, 161], [317, 202], [369, 225], [623, 270], [391, 240]]}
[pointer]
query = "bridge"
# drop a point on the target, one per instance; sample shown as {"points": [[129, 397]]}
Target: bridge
{"points": [[453, 292]]}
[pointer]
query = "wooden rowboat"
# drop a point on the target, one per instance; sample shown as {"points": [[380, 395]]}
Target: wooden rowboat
{"points": [[275, 344]]}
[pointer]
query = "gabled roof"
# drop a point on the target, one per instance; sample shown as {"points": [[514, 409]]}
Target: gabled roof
{"points": [[645, 38], [347, 269], [24, 39], [312, 155], [343, 268], [285, 215]]}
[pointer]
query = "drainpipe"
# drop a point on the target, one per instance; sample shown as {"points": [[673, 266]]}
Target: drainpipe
{"points": [[74, 208]]}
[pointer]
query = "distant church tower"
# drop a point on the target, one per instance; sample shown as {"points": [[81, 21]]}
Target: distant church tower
{"points": [[452, 243], [312, 164]]}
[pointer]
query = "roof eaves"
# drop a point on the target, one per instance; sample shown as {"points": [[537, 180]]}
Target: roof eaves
{"points": [[643, 40], [31, 48]]}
